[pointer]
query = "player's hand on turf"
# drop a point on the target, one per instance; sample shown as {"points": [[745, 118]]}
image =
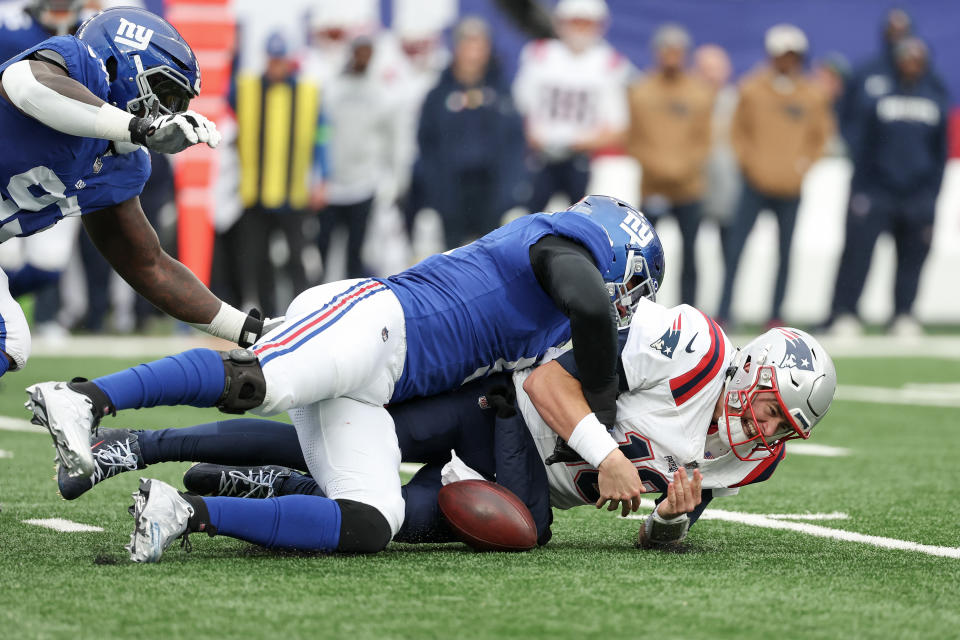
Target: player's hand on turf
{"points": [[683, 494], [619, 483], [174, 133]]}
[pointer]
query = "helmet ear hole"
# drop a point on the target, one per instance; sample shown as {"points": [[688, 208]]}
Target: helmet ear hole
{"points": [[111, 66]]}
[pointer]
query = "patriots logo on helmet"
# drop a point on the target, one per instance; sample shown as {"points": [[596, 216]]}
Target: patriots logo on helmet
{"points": [[667, 343], [798, 353]]}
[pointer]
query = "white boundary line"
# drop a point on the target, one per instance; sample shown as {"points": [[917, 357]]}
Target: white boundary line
{"points": [[64, 526], [782, 521], [6, 454]]}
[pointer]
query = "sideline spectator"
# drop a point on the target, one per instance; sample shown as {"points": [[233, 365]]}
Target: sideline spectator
{"points": [[898, 169], [572, 93], [780, 127], [470, 138], [670, 112], [875, 77], [276, 129], [357, 150]]}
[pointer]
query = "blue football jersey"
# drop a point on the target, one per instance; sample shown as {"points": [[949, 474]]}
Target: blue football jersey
{"points": [[46, 175], [479, 309]]}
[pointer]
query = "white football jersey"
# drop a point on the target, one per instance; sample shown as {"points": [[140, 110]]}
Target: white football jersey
{"points": [[566, 96], [675, 361]]}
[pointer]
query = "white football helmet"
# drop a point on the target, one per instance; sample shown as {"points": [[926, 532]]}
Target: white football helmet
{"points": [[795, 368]]}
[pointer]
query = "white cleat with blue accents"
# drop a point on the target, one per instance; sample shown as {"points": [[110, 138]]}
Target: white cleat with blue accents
{"points": [[70, 418], [160, 516]]}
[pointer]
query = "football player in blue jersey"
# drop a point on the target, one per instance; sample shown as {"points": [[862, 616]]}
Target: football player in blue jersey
{"points": [[723, 414], [75, 114], [348, 348]]}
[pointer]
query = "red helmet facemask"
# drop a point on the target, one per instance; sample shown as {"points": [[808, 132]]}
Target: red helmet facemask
{"points": [[738, 409]]}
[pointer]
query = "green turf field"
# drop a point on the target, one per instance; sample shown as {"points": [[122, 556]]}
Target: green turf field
{"points": [[735, 580]]}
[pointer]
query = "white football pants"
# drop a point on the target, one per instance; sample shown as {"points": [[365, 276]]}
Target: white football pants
{"points": [[333, 364]]}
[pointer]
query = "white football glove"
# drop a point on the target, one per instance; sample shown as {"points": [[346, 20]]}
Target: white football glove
{"points": [[174, 133]]}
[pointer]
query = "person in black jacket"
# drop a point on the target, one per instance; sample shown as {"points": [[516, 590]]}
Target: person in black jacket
{"points": [[899, 156], [470, 139]]}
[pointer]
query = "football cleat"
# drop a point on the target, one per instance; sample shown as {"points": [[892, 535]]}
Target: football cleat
{"points": [[114, 451], [70, 418], [235, 482], [160, 516]]}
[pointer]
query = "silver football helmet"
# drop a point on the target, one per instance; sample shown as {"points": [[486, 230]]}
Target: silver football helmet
{"points": [[795, 368]]}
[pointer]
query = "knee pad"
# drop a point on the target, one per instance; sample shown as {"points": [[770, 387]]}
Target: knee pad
{"points": [[244, 386], [363, 529]]}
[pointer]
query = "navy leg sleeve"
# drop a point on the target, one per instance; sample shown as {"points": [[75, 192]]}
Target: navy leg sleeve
{"points": [[242, 442]]}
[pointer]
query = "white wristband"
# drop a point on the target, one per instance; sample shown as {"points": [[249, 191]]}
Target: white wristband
{"points": [[113, 124], [227, 324], [591, 440]]}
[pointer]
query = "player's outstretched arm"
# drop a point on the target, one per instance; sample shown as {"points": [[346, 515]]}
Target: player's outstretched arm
{"points": [[566, 271], [44, 91], [128, 242], [558, 398]]}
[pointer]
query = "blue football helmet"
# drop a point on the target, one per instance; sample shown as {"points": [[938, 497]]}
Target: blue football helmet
{"points": [[149, 64], [638, 265]]}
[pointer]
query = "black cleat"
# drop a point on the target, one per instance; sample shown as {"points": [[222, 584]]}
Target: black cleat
{"points": [[235, 482], [114, 451]]}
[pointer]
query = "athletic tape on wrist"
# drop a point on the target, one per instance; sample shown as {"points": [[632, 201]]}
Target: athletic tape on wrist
{"points": [[659, 531], [591, 440], [227, 324]]}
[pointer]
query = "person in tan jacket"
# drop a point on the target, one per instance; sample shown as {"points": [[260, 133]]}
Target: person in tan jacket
{"points": [[669, 135], [782, 123]]}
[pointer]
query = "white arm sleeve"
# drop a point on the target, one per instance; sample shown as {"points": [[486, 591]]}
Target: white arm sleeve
{"points": [[59, 112]]}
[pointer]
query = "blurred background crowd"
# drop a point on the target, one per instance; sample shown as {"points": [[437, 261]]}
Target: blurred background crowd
{"points": [[774, 147]]}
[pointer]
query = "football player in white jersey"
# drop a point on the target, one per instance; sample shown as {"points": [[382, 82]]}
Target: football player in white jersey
{"points": [[572, 93], [689, 402]]}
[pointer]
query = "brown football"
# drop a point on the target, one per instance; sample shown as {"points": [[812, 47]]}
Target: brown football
{"points": [[488, 517]]}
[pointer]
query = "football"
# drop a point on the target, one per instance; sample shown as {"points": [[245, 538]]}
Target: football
{"points": [[487, 516]]}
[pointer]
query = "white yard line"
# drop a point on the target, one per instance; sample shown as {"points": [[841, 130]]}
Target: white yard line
{"points": [[6, 454], [59, 524], [833, 515], [783, 521], [914, 394], [813, 449], [18, 424]]}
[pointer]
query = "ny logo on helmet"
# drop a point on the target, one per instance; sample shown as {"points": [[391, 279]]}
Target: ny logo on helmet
{"points": [[637, 228], [133, 35], [797, 354]]}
